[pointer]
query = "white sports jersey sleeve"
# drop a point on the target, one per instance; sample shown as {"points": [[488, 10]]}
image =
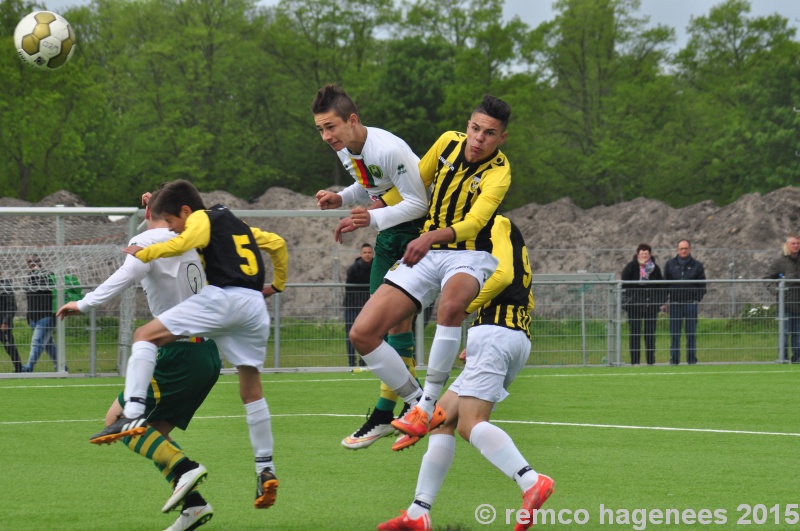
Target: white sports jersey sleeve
{"points": [[166, 281], [385, 162]]}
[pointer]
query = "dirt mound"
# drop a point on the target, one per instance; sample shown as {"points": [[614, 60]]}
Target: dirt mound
{"points": [[747, 233], [735, 241]]}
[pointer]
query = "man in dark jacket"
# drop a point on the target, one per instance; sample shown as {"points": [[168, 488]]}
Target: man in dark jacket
{"points": [[787, 267], [8, 307], [355, 297], [41, 317], [683, 300]]}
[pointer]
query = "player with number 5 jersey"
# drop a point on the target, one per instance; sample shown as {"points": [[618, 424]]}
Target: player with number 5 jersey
{"points": [[230, 310]]}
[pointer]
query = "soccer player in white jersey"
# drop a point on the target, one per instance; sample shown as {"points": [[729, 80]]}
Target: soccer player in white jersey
{"points": [[182, 386], [386, 179]]}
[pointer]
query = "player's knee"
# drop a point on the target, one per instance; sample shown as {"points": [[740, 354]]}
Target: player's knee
{"points": [[465, 430], [364, 337], [451, 313]]}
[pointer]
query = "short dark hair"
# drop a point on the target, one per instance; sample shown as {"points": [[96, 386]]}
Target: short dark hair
{"points": [[685, 240], [644, 247], [333, 98], [149, 207], [496, 108], [366, 245], [171, 196]]}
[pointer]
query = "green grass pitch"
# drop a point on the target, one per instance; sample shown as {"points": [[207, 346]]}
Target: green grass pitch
{"points": [[636, 441]]}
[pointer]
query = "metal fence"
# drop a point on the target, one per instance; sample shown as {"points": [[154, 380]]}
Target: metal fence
{"points": [[578, 321]]}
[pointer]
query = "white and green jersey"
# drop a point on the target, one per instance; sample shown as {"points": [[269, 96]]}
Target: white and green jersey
{"points": [[166, 281], [385, 163]]}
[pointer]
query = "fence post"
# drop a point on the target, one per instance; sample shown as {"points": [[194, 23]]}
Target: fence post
{"points": [[93, 342], [619, 323], [276, 327], [782, 321], [58, 270]]}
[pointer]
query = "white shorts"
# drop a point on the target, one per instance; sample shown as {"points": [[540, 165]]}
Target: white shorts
{"points": [[425, 280], [236, 318], [495, 355]]}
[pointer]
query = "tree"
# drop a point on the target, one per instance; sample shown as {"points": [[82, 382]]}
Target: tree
{"points": [[607, 95], [745, 71]]}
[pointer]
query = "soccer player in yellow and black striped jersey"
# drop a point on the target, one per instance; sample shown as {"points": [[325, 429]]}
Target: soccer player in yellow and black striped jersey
{"points": [[498, 346], [230, 310], [469, 176]]}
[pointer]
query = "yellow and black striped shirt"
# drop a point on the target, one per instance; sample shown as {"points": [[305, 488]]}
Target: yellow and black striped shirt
{"points": [[506, 298], [466, 195], [229, 249]]}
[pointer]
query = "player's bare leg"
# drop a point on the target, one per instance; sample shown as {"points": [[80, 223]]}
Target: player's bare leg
{"points": [[384, 310]]}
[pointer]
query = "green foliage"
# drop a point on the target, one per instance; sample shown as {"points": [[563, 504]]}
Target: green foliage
{"points": [[218, 92]]}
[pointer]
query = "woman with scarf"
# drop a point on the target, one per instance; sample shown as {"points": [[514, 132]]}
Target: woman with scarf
{"points": [[642, 299]]}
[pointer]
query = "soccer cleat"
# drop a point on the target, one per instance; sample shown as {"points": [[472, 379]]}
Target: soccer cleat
{"points": [[409, 439], [266, 490], [404, 441], [192, 518], [404, 523], [122, 427], [184, 486], [366, 435], [534, 498]]}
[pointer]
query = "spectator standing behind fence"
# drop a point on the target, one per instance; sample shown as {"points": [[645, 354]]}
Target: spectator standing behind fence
{"points": [[787, 267], [641, 299], [41, 317], [8, 308], [683, 301], [355, 297]]}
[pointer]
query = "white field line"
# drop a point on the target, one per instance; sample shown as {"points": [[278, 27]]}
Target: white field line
{"points": [[540, 423], [526, 422], [525, 374]]}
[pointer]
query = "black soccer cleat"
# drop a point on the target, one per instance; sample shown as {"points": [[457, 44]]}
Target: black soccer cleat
{"points": [[120, 428], [266, 489]]}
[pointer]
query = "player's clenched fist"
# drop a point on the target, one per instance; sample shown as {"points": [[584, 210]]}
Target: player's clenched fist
{"points": [[326, 199]]}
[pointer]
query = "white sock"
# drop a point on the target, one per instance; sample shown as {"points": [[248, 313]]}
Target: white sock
{"points": [[141, 365], [496, 446], [259, 424], [386, 364], [444, 350], [435, 465]]}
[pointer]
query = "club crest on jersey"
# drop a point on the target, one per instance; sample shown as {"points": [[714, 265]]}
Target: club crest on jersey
{"points": [[473, 186], [376, 171]]}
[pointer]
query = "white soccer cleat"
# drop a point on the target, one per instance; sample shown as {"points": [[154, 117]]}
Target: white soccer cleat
{"points": [[192, 518], [184, 486], [366, 435]]}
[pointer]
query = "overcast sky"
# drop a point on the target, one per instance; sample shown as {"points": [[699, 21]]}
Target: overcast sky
{"points": [[672, 13]]}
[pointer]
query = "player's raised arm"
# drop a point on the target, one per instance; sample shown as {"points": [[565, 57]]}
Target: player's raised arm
{"points": [[275, 247], [195, 235], [502, 277]]}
